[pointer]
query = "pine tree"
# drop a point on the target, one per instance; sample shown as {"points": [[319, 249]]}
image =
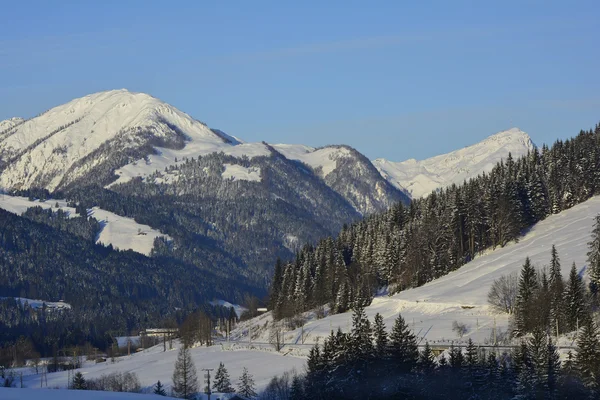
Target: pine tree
{"points": [[594, 256], [553, 369], [222, 384], [426, 360], [576, 309], [381, 339], [525, 296], [403, 345], [471, 355], [79, 382], [557, 290], [185, 380], [159, 389], [587, 359], [297, 389], [246, 385], [457, 359], [361, 335]]}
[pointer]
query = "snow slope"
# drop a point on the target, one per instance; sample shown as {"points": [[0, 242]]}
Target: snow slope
{"points": [[9, 123], [419, 178], [48, 394], [52, 305], [123, 233], [462, 295], [153, 364]]}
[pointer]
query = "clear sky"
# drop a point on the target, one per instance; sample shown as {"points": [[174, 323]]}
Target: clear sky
{"points": [[395, 79]]}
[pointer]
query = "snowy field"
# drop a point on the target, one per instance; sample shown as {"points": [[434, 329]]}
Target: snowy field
{"points": [[462, 295], [48, 394], [123, 233], [153, 364]]}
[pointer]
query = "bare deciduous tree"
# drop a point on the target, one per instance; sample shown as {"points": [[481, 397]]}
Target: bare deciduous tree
{"points": [[503, 293], [276, 337]]}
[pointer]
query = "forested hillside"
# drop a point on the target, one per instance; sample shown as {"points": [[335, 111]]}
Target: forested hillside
{"points": [[110, 291], [409, 246]]}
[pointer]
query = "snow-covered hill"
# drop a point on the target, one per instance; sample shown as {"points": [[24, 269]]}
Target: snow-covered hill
{"points": [[461, 295], [419, 178], [121, 232]]}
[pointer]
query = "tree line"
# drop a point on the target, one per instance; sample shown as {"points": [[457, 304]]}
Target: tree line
{"points": [[408, 246]]}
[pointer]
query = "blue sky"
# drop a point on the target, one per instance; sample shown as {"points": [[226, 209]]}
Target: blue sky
{"points": [[393, 79]]}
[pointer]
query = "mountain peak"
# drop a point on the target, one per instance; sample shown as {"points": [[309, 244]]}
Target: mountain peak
{"points": [[419, 178]]}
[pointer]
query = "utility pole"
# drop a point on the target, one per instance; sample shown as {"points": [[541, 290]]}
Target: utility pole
{"points": [[207, 377], [495, 340]]}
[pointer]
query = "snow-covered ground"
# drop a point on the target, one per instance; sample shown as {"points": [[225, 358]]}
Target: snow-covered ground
{"points": [[239, 310], [123, 233], [461, 295], [419, 178], [57, 305], [49, 394], [153, 364], [324, 158]]}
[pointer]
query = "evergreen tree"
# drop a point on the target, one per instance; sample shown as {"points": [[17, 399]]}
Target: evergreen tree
{"points": [[222, 384], [185, 380], [457, 358], [575, 300], [587, 359], [403, 346], [527, 289], [79, 382], [557, 290], [594, 256], [361, 335], [159, 389], [381, 339], [471, 354], [552, 376], [246, 386], [426, 360], [297, 389]]}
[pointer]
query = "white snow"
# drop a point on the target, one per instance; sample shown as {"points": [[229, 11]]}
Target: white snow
{"points": [[53, 305], [121, 232], [462, 295], [9, 123], [97, 119], [239, 310], [324, 158], [153, 364], [240, 173], [420, 178], [49, 394]]}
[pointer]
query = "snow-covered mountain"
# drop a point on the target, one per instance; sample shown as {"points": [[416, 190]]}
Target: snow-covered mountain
{"points": [[110, 128], [9, 123], [115, 136], [349, 173], [419, 178]]}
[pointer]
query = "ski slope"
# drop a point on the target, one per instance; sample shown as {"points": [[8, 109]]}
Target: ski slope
{"points": [[419, 178], [462, 295], [121, 232], [153, 364]]}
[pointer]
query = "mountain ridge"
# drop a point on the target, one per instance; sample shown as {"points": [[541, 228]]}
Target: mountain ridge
{"points": [[420, 177]]}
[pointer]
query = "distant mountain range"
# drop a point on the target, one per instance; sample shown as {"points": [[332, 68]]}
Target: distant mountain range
{"points": [[135, 156]]}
